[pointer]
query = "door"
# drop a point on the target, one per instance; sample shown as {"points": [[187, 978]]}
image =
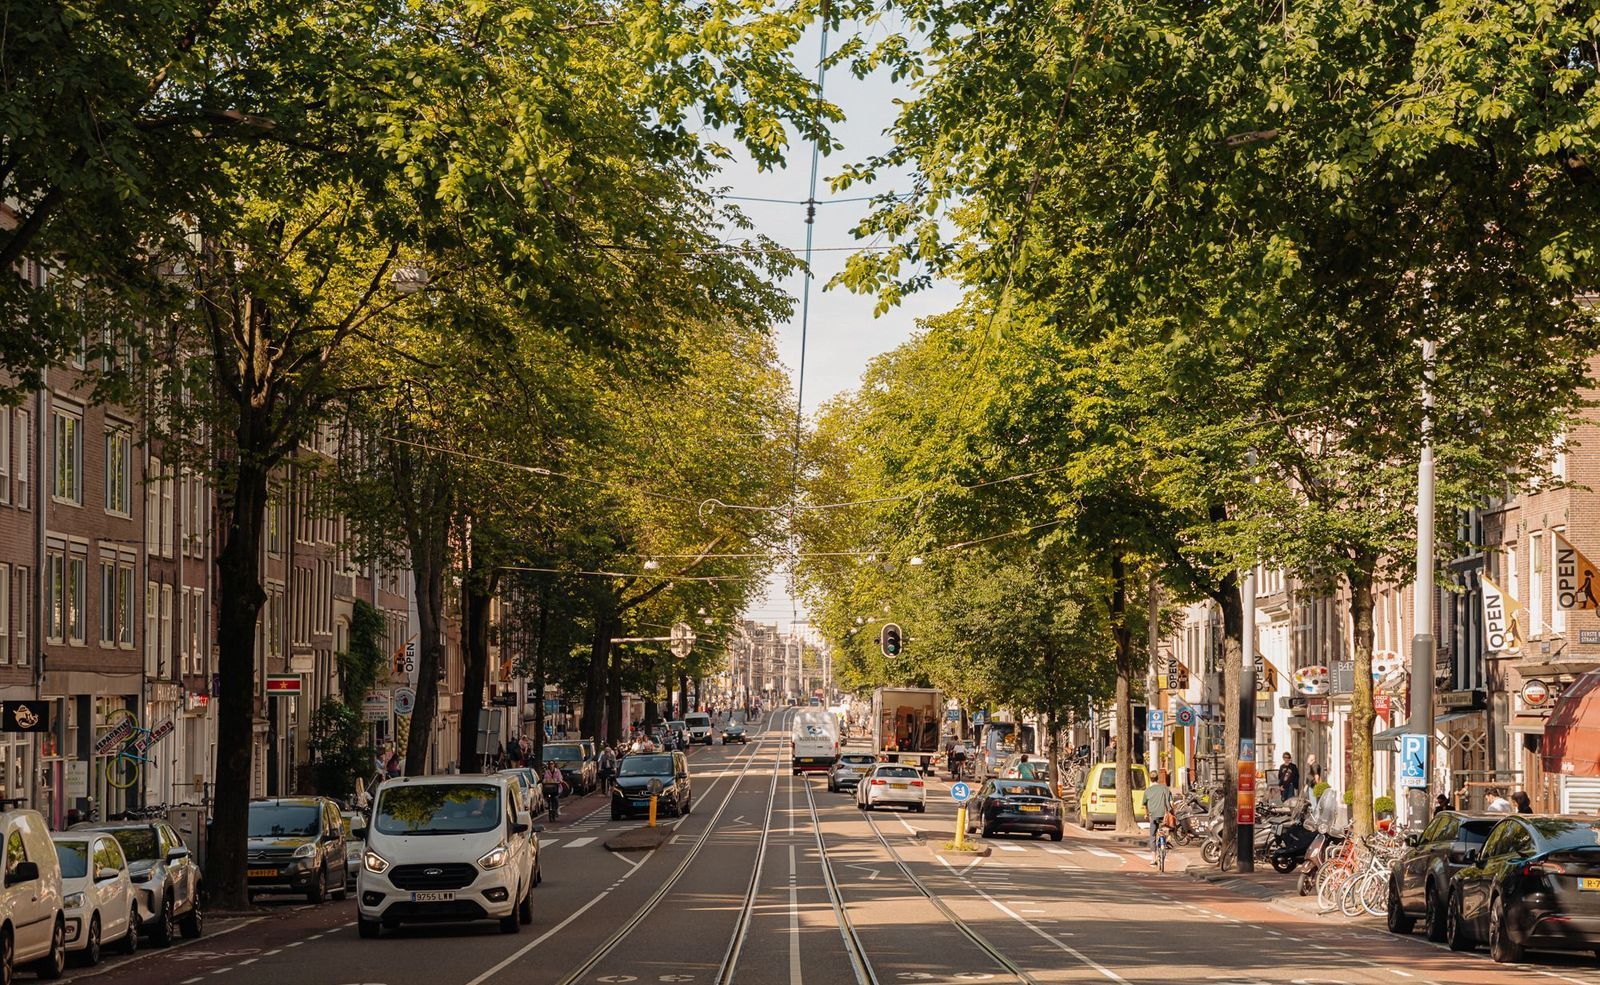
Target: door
{"points": [[180, 873], [1435, 842], [30, 913], [337, 858], [116, 903]]}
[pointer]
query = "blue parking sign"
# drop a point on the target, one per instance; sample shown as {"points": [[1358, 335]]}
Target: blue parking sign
{"points": [[1156, 722], [1413, 760], [960, 792]]}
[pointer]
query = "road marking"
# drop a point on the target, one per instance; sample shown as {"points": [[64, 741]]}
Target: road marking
{"points": [[268, 954], [1101, 852], [190, 981], [548, 843], [579, 842], [871, 872], [794, 918], [1011, 848], [1058, 851], [245, 962]]}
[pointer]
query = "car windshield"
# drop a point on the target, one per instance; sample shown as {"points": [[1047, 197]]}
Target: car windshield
{"points": [[74, 856], [281, 820], [897, 771], [562, 754], [437, 809], [1022, 790], [1108, 779], [646, 766], [1557, 834], [138, 844]]}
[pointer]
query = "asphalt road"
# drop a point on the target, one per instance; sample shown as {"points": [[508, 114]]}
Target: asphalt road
{"points": [[773, 880]]}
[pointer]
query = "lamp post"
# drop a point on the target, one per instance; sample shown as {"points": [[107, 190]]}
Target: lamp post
{"points": [[1423, 645]]}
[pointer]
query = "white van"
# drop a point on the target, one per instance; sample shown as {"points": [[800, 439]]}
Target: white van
{"points": [[699, 725], [446, 849], [32, 926], [813, 740]]}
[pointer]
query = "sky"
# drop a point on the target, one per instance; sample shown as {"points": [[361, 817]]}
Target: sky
{"points": [[842, 334]]}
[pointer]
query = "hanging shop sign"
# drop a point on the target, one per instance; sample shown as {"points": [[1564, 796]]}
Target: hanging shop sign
{"points": [[25, 716], [1312, 680]]}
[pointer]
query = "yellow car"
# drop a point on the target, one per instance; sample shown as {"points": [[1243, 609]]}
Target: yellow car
{"points": [[1098, 802]]}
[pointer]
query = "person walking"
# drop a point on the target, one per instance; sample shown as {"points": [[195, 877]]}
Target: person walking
{"points": [[1524, 805], [1288, 778], [1157, 805], [553, 782]]}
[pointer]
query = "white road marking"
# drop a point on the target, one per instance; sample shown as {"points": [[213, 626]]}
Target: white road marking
{"points": [[1011, 848], [190, 981], [1101, 852], [578, 842], [794, 919]]}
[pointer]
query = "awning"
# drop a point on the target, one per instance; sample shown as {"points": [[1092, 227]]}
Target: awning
{"points": [[1526, 728], [1386, 738], [1572, 733]]}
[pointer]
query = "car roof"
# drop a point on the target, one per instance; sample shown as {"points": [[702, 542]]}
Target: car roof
{"points": [[445, 779], [114, 825], [290, 801]]}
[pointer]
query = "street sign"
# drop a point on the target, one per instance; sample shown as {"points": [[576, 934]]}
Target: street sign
{"points": [[375, 707], [1413, 760], [405, 700], [283, 685], [960, 792], [1156, 722], [682, 640]]}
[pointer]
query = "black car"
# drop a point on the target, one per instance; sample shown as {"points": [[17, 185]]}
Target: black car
{"points": [[297, 845], [577, 767], [734, 732], [1028, 806], [1419, 883], [664, 773], [1535, 883]]}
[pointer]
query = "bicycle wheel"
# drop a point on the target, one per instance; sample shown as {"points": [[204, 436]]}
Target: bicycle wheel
{"points": [[123, 770], [1330, 881], [1350, 894], [1161, 854], [1375, 893]]}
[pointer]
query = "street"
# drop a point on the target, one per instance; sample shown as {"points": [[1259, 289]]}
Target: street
{"points": [[773, 880]]}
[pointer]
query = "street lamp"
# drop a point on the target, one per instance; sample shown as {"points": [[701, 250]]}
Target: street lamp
{"points": [[651, 565]]}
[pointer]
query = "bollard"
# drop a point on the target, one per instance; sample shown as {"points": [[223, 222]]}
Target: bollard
{"points": [[652, 811], [961, 827]]}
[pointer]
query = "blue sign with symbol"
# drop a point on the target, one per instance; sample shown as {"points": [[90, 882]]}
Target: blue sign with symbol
{"points": [[960, 792], [1185, 715], [1413, 760], [1156, 722]]}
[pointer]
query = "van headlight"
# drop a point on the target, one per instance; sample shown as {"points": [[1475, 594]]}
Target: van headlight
{"points": [[373, 862], [72, 901], [497, 856], [305, 851]]}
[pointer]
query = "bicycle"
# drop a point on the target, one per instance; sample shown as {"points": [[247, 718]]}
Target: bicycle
{"points": [[127, 763], [1161, 848]]}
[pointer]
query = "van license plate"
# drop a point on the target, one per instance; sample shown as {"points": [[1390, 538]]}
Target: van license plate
{"points": [[1591, 883], [436, 897], [262, 873]]}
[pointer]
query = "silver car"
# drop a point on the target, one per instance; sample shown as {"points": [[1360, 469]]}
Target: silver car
{"points": [[848, 770]]}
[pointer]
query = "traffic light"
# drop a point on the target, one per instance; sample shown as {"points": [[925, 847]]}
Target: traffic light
{"points": [[889, 639]]}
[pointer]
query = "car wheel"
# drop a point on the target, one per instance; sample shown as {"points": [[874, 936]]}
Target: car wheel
{"points": [[319, 891], [54, 963], [369, 929], [1434, 921], [193, 923], [988, 832], [1395, 916], [525, 908], [509, 924], [538, 874], [1456, 934], [91, 943], [344, 884], [130, 940], [7, 958], [1502, 948], [165, 930], [1055, 836]]}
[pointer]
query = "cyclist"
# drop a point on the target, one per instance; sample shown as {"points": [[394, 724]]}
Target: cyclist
{"points": [[1158, 810]]}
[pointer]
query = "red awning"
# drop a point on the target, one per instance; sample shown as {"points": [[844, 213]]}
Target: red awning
{"points": [[1572, 734]]}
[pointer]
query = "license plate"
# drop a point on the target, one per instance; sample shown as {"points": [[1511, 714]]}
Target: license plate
{"points": [[269, 873], [1032, 810], [901, 786], [640, 803], [1589, 883], [434, 897]]}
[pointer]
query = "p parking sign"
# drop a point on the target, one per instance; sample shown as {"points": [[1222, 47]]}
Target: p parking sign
{"points": [[1413, 767]]}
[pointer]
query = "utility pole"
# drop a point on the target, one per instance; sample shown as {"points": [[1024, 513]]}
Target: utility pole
{"points": [[1246, 828], [1423, 644]]}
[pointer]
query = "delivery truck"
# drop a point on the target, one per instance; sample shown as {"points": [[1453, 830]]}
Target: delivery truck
{"points": [[905, 725]]}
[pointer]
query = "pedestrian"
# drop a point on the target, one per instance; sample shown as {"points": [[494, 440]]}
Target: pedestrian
{"points": [[1313, 772], [1441, 803], [391, 766], [553, 782], [1498, 804], [1524, 805], [1157, 808], [1288, 778]]}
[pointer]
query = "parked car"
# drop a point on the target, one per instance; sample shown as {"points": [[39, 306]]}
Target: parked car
{"points": [[1097, 804], [533, 799], [447, 849], [297, 846], [31, 898], [1419, 883], [849, 769], [354, 847], [1535, 883], [166, 879], [637, 775], [580, 771], [97, 896], [1028, 806], [892, 784], [1021, 766], [735, 732]]}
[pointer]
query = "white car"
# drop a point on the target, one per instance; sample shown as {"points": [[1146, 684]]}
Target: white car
{"points": [[97, 895], [30, 899], [444, 849], [699, 724], [892, 784], [354, 847]]}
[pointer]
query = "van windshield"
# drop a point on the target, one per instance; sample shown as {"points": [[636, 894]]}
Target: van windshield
{"points": [[699, 721], [563, 754], [1108, 779], [438, 809]]}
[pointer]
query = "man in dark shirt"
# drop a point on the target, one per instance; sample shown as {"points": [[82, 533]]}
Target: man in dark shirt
{"points": [[1288, 778]]}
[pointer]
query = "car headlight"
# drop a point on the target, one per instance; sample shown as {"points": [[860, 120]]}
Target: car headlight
{"points": [[305, 851], [495, 857], [72, 901], [374, 862]]}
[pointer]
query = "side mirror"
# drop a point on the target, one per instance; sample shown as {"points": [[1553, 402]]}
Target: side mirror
{"points": [[105, 873], [519, 828], [1413, 840], [538, 829], [22, 872], [177, 853]]}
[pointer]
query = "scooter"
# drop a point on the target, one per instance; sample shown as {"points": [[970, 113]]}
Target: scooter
{"points": [[1270, 822], [1316, 854]]}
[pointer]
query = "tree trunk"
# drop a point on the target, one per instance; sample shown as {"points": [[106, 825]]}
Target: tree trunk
{"points": [[1361, 711], [594, 691], [428, 552], [1232, 606], [538, 674], [615, 726], [1126, 822], [239, 601], [683, 696], [477, 588]]}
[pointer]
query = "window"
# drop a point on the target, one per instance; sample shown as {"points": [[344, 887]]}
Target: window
{"points": [[1513, 585], [19, 455], [1558, 615], [20, 577], [194, 515], [67, 443], [108, 601], [55, 568], [77, 597], [1535, 584], [152, 505], [5, 455], [168, 516], [5, 614], [125, 603], [164, 645], [15, 853], [119, 471], [275, 521], [152, 605]]}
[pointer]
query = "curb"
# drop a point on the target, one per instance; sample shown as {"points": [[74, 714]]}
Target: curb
{"points": [[639, 840]]}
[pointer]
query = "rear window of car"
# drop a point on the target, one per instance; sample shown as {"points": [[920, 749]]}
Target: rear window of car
{"points": [[897, 771], [1556, 835], [1108, 779], [1474, 832], [857, 760], [1022, 790]]}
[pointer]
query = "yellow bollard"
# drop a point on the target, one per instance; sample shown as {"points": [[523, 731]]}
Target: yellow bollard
{"points": [[652, 811], [961, 827]]}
